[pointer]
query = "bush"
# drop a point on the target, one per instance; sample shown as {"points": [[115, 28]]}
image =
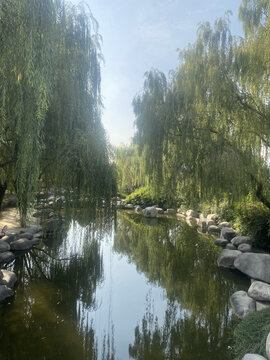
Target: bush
{"points": [[254, 220], [250, 335], [144, 197]]}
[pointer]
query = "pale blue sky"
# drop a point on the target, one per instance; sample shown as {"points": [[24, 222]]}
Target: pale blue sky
{"points": [[141, 34]]}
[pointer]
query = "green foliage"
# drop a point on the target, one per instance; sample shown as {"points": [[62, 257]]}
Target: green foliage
{"points": [[142, 196], [50, 103], [204, 131], [254, 219], [250, 335]]}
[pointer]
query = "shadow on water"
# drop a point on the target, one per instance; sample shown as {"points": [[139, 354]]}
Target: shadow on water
{"points": [[62, 284]]}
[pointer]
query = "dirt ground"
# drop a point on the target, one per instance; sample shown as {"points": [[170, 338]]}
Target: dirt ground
{"points": [[11, 218]]}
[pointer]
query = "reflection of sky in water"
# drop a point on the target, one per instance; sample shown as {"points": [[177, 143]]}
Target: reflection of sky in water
{"points": [[122, 297]]}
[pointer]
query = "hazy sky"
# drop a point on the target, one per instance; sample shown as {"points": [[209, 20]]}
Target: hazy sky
{"points": [[141, 34]]}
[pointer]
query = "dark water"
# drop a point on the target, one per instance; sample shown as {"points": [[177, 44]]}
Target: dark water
{"points": [[126, 288]]}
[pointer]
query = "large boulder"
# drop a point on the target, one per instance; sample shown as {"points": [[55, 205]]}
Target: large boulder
{"points": [[227, 233], [245, 248], [9, 278], [150, 212], [4, 246], [24, 244], [6, 257], [5, 292], [253, 357], [262, 305], [254, 265], [213, 229], [227, 257], [224, 224], [213, 217], [230, 246], [259, 290], [242, 304], [221, 242], [238, 240], [28, 236]]}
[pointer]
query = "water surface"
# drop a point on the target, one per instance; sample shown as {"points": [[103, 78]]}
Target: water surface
{"points": [[121, 287]]}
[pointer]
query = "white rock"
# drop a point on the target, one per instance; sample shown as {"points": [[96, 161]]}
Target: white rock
{"points": [[253, 357], [254, 265], [259, 290], [242, 304], [192, 213], [238, 240], [267, 346]]}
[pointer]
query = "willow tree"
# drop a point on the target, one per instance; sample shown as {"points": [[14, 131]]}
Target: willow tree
{"points": [[214, 127], [26, 77], [76, 156], [50, 107]]}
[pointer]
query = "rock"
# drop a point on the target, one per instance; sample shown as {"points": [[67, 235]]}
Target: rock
{"points": [[150, 212], [9, 278], [259, 290], [6, 257], [245, 248], [129, 206], [182, 216], [213, 229], [5, 292], [202, 224], [238, 240], [32, 230], [191, 221], [227, 257], [254, 265], [213, 217], [253, 357], [171, 211], [210, 222], [192, 213], [39, 235], [9, 238], [52, 225], [4, 246], [221, 242], [224, 224], [26, 236], [227, 233], [242, 304], [230, 246], [160, 211], [24, 244], [138, 209], [267, 347], [261, 305]]}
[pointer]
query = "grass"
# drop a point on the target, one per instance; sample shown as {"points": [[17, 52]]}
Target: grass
{"points": [[250, 335]]}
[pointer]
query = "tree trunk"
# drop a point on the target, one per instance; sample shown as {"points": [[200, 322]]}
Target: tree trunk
{"points": [[3, 189]]}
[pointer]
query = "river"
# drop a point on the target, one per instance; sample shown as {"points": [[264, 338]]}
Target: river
{"points": [[121, 287]]}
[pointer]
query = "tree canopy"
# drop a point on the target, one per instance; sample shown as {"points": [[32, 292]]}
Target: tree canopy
{"points": [[50, 104], [205, 130]]}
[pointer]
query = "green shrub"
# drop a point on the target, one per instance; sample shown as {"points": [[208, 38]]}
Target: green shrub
{"points": [[250, 335], [254, 220], [145, 197]]}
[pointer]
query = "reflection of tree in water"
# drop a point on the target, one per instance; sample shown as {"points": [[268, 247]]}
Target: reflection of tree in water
{"points": [[179, 337], [49, 318], [177, 258]]}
